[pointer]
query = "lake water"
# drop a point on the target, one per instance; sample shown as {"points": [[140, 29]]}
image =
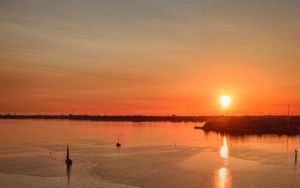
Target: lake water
{"points": [[152, 155]]}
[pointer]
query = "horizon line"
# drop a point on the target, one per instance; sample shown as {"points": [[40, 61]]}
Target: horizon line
{"points": [[144, 115]]}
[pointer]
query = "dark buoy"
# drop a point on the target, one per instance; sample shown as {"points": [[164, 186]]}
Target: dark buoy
{"points": [[68, 160], [118, 143]]}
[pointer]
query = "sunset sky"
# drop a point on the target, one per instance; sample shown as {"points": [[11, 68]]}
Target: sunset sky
{"points": [[149, 57]]}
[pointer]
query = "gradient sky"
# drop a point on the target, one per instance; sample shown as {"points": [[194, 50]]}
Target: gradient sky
{"points": [[149, 57]]}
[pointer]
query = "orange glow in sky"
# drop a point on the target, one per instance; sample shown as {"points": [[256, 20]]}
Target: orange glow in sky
{"points": [[149, 57]]}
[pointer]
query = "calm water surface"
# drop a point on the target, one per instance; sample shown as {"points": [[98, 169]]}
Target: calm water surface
{"points": [[152, 155]]}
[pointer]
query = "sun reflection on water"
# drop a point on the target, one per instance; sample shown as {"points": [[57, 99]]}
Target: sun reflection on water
{"points": [[224, 149], [223, 177]]}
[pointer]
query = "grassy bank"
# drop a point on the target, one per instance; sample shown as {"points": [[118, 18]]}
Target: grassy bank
{"points": [[255, 125]]}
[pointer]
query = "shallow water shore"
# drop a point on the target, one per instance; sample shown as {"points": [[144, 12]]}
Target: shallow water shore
{"points": [[162, 154]]}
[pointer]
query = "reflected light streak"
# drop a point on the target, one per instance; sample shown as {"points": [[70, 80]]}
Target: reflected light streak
{"points": [[224, 149], [223, 178]]}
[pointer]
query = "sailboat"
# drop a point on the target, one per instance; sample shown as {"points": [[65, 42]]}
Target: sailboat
{"points": [[68, 161]]}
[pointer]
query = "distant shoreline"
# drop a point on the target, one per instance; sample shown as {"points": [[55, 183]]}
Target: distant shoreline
{"points": [[125, 118], [139, 118], [233, 125]]}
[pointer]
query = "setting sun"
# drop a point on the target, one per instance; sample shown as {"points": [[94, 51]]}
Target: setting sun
{"points": [[225, 101], [167, 93]]}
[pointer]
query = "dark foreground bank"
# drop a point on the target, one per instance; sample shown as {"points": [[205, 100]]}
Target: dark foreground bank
{"points": [[255, 125]]}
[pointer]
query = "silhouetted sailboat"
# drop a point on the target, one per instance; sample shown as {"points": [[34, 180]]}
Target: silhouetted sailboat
{"points": [[118, 143], [68, 160], [68, 169]]}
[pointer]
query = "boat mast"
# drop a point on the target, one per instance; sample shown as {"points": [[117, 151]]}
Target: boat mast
{"points": [[68, 152]]}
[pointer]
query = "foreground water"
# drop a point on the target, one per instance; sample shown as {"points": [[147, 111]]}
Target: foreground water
{"points": [[152, 155]]}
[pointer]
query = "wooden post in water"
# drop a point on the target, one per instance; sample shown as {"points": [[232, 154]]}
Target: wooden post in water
{"points": [[296, 153], [288, 116]]}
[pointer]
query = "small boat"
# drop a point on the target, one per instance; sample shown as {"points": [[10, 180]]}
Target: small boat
{"points": [[118, 143], [197, 127], [68, 161]]}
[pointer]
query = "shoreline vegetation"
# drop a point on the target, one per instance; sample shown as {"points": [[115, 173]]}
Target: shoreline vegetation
{"points": [[126, 118], [249, 125], [233, 125]]}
